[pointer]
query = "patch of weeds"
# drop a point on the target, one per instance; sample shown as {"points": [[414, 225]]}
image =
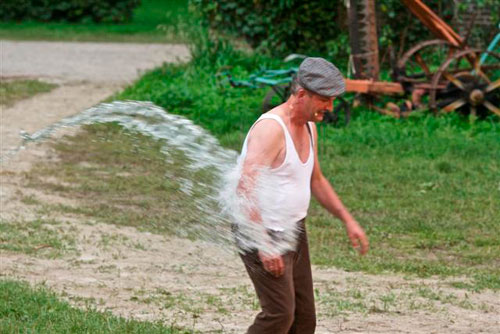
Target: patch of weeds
{"points": [[107, 268], [444, 298], [485, 307], [118, 255], [215, 302], [335, 303], [339, 306], [30, 200], [86, 302], [16, 90], [107, 239], [388, 301], [487, 280], [479, 281], [46, 238], [416, 304], [440, 296], [37, 310], [244, 295], [138, 245], [398, 302], [462, 285], [465, 304], [168, 300], [355, 293], [195, 303]]}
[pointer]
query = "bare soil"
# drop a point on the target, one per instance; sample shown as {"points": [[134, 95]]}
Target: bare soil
{"points": [[194, 284]]}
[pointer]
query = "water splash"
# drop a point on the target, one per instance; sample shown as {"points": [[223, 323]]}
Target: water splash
{"points": [[239, 205], [223, 212]]}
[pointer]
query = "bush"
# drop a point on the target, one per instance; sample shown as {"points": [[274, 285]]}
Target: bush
{"points": [[276, 25], [104, 11]]}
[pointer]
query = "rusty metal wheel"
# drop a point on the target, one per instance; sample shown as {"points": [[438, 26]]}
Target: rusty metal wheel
{"points": [[464, 84], [416, 66]]}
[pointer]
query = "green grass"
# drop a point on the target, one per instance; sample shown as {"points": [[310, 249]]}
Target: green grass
{"points": [[37, 310], [154, 21], [16, 90]]}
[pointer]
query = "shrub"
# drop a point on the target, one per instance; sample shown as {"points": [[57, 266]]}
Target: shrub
{"points": [[276, 25], [104, 11]]}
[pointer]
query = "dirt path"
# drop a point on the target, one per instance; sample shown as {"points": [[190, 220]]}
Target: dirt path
{"points": [[86, 74], [193, 284]]}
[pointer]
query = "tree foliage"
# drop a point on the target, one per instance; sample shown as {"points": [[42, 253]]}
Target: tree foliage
{"points": [[277, 25], [104, 11]]}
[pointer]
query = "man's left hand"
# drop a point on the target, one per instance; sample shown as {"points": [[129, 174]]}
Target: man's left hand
{"points": [[357, 236]]}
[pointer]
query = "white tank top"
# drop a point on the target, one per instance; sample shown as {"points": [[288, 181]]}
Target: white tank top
{"points": [[292, 178]]}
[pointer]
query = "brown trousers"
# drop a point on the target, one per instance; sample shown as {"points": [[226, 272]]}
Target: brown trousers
{"points": [[287, 301]]}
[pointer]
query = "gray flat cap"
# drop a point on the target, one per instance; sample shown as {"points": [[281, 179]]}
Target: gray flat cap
{"points": [[321, 77]]}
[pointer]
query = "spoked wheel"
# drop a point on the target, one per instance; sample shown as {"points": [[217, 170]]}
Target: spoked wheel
{"points": [[416, 65], [466, 85]]}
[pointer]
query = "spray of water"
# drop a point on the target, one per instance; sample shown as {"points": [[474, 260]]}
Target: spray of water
{"points": [[223, 212], [262, 233]]}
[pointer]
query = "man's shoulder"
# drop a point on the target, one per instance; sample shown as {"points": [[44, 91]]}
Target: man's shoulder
{"points": [[268, 127], [267, 132]]}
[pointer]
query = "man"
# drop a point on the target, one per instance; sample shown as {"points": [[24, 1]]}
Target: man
{"points": [[284, 140]]}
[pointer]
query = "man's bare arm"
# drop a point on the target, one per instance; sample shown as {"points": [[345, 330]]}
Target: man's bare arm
{"points": [[265, 142], [323, 191]]}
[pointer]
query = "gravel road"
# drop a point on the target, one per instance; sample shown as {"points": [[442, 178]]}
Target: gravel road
{"points": [[116, 63], [86, 74]]}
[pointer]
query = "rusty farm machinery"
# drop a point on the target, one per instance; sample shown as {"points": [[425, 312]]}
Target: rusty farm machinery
{"points": [[443, 74]]}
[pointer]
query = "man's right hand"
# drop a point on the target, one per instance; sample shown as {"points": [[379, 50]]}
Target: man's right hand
{"points": [[273, 264]]}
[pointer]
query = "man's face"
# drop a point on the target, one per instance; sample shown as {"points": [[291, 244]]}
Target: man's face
{"points": [[316, 106]]}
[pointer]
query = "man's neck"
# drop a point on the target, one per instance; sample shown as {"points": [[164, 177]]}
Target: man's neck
{"points": [[295, 118]]}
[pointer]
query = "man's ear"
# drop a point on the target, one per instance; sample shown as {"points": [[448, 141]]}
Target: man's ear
{"points": [[301, 93]]}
